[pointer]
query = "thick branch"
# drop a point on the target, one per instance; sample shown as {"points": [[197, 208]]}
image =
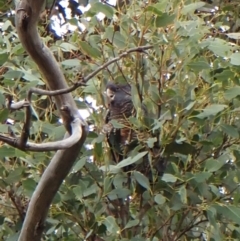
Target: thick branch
{"points": [[47, 146], [41, 200], [27, 14]]}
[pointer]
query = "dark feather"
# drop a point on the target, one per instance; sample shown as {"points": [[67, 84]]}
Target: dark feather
{"points": [[124, 140]]}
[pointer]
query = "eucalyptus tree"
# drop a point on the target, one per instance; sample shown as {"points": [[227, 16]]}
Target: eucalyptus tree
{"points": [[181, 60]]}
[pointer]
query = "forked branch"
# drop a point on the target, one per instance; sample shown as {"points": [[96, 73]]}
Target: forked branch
{"points": [[27, 15]]}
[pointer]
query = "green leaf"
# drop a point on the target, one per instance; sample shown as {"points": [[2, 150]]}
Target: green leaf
{"points": [[13, 237], [80, 164], [190, 105], [132, 223], [135, 96], [230, 130], [154, 10], [157, 8], [116, 124], [150, 142], [218, 46], [164, 20], [141, 179], [212, 165], [159, 199], [229, 212], [2, 218], [233, 35], [183, 194], [107, 184], [120, 180], [73, 21], [100, 138], [34, 78], [130, 160], [119, 40], [211, 110], [190, 8], [169, 178], [89, 50], [29, 186], [58, 132], [4, 128], [224, 75], [202, 176], [110, 168], [71, 62], [103, 8], [211, 214], [183, 148], [199, 65], [67, 47], [30, 85], [119, 193], [7, 151], [3, 58], [235, 59], [93, 189], [94, 40], [13, 74], [111, 225], [4, 115], [15, 175], [7, 25], [232, 93]]}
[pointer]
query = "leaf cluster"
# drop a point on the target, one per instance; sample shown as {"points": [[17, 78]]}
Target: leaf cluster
{"points": [[189, 83]]}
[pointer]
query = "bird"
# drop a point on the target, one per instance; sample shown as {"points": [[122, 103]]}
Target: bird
{"points": [[120, 108], [124, 138]]}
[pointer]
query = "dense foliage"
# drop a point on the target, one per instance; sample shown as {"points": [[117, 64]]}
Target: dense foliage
{"points": [[189, 82]]}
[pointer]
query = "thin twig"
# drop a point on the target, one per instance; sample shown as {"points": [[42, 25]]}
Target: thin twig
{"points": [[88, 77], [17, 204], [189, 228]]}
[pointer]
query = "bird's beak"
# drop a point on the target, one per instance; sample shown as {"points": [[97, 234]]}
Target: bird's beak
{"points": [[110, 94]]}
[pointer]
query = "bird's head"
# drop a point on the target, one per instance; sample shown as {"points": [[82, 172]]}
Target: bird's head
{"points": [[118, 93]]}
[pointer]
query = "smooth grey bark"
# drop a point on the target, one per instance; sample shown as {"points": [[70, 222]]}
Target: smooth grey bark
{"points": [[27, 15]]}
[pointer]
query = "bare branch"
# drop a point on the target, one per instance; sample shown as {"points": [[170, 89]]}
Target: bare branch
{"points": [[59, 145], [26, 128], [88, 77], [27, 15], [17, 203], [54, 92], [124, 54]]}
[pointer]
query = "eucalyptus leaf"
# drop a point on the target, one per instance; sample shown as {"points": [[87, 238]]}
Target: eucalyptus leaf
{"points": [[190, 8], [111, 225], [130, 160], [211, 110], [141, 179]]}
